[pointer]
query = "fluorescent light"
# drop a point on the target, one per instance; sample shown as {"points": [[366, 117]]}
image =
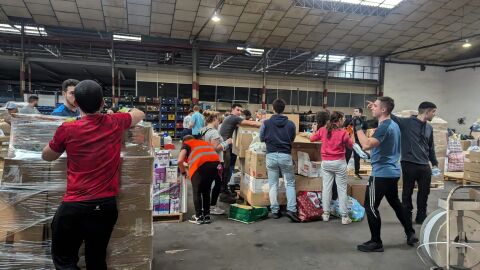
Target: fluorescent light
{"points": [[215, 17], [127, 37], [467, 44], [252, 51], [28, 30], [331, 58], [388, 4]]}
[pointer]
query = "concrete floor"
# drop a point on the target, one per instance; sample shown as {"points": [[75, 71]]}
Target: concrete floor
{"points": [[280, 244]]}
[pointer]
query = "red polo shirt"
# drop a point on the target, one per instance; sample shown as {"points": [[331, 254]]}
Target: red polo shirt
{"points": [[93, 146]]}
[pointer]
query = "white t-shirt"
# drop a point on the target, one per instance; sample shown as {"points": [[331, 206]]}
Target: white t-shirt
{"points": [[186, 121]]}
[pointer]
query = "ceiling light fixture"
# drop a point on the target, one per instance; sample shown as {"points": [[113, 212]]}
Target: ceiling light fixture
{"points": [[127, 37], [252, 51], [467, 44], [28, 30], [332, 58], [215, 17]]}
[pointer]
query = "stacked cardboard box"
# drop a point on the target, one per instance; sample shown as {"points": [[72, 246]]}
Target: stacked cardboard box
{"points": [[31, 190], [167, 187], [242, 138], [254, 185], [472, 167]]}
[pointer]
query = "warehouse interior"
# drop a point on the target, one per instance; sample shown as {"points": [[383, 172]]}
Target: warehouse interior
{"points": [[316, 55]]}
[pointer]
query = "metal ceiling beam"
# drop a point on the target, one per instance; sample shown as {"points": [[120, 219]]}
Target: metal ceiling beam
{"points": [[52, 74], [265, 56], [98, 80], [51, 49], [312, 55], [283, 61], [218, 60]]}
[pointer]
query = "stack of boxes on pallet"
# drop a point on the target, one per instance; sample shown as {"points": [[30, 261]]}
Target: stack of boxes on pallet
{"points": [[472, 167], [31, 190], [167, 187]]}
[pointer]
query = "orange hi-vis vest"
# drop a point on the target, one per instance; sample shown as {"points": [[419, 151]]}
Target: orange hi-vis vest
{"points": [[200, 153]]}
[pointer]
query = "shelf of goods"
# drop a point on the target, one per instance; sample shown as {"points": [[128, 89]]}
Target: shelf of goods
{"points": [[169, 191], [32, 189]]}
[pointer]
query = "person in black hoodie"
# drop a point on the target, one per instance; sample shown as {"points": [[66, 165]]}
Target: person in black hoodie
{"points": [[417, 150], [278, 133]]}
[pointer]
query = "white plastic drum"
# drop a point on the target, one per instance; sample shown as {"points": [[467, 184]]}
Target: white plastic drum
{"points": [[463, 225]]}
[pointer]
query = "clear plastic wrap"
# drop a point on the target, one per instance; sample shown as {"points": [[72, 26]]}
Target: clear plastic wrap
{"points": [[31, 190]]}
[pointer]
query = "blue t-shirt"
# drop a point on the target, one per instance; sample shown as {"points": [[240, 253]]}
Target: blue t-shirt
{"points": [[386, 156], [62, 110], [197, 118]]}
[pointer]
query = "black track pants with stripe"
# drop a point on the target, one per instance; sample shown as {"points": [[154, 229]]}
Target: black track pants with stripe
{"points": [[379, 187]]}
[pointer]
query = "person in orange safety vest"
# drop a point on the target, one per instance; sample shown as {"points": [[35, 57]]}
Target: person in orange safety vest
{"points": [[203, 168]]}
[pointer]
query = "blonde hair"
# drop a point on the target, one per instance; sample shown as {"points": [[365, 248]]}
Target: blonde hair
{"points": [[211, 116]]}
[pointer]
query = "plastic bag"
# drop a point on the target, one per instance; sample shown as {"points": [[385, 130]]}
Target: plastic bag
{"points": [[356, 212], [362, 154], [256, 145], [309, 206], [456, 162]]}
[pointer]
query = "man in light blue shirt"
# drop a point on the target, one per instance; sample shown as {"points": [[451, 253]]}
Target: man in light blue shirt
{"points": [[68, 108], [383, 182], [197, 122]]}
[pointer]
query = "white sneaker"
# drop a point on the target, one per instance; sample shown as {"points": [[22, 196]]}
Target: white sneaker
{"points": [[215, 210], [346, 220], [326, 216]]}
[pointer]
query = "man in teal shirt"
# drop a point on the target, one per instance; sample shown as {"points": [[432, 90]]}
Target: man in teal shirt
{"points": [[197, 122], [68, 108]]}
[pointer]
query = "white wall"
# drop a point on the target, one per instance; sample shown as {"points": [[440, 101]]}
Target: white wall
{"points": [[455, 93]]}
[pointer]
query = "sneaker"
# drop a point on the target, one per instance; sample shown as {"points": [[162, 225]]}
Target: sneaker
{"points": [[207, 219], [196, 220], [412, 239], [370, 246], [293, 216], [358, 177], [276, 215], [346, 220], [326, 216], [215, 210]]}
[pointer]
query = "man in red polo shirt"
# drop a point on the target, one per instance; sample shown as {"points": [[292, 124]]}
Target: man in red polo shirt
{"points": [[88, 212]]}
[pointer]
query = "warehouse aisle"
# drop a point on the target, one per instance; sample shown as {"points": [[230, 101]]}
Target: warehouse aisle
{"points": [[279, 244]]}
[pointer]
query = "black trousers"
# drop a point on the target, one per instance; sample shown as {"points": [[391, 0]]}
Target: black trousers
{"points": [[230, 160], [379, 187], [422, 174], [217, 186], [202, 181], [91, 222]]}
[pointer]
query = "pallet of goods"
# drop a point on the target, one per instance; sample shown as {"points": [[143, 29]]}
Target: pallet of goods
{"points": [[31, 190], [472, 168]]}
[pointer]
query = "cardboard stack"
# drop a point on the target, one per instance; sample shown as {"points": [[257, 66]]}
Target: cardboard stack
{"points": [[308, 161], [31, 190], [254, 185], [472, 167]]}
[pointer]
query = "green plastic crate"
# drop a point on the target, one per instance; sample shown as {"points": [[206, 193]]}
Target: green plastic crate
{"points": [[247, 214]]}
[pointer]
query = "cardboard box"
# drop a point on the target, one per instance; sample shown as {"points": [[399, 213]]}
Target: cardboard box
{"points": [[295, 118], [357, 191], [302, 144], [138, 170], [155, 141], [172, 174], [256, 164], [28, 171], [137, 140], [471, 176], [303, 183], [467, 143], [473, 156], [130, 246], [308, 168], [472, 167], [135, 223], [135, 197], [242, 138], [255, 191]]}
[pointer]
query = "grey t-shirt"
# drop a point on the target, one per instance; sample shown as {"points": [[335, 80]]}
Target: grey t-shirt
{"points": [[229, 125], [29, 110], [210, 134]]}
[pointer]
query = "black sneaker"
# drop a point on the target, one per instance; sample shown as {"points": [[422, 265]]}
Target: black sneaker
{"points": [[293, 216], [370, 246], [207, 219], [412, 239], [358, 176], [277, 215], [196, 220], [420, 218]]}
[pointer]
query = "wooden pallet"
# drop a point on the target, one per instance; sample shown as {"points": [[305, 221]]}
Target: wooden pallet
{"points": [[361, 172], [468, 182], [168, 218], [453, 176]]}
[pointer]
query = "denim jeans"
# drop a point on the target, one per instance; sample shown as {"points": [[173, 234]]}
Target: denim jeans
{"points": [[276, 163]]}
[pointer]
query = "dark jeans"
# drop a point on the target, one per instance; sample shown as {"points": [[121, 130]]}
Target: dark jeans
{"points": [[91, 222], [186, 131], [217, 186], [230, 159], [356, 159], [202, 181], [379, 187], [422, 174]]}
